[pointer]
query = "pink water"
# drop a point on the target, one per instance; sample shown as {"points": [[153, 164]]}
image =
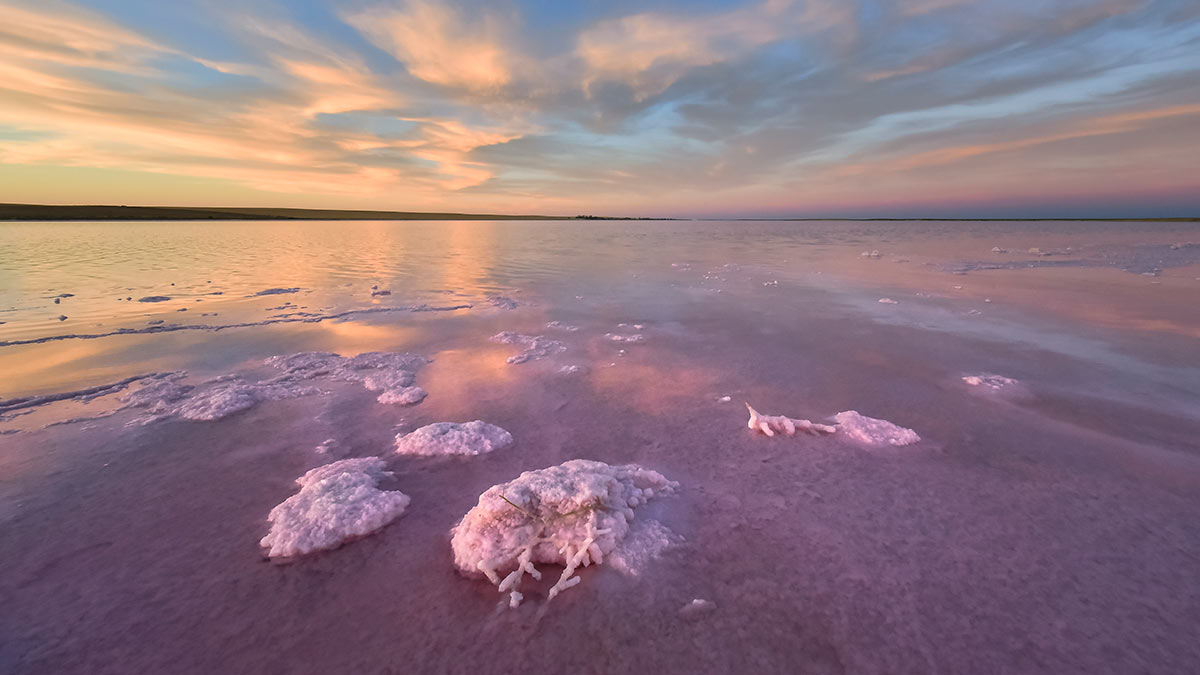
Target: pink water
{"points": [[1054, 527]]}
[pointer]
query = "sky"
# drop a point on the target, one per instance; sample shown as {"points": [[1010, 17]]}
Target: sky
{"points": [[700, 108]]}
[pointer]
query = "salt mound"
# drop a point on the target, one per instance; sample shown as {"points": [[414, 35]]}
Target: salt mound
{"points": [[573, 514], [536, 346], [873, 431], [336, 502], [769, 424], [450, 438]]}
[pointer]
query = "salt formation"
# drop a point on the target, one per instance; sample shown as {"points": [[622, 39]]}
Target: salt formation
{"points": [[871, 431], [696, 608], [989, 382], [388, 372], [635, 337], [168, 398], [888, 301], [574, 514], [562, 326], [769, 424], [336, 502], [405, 396], [391, 373], [450, 438], [535, 346], [504, 302]]}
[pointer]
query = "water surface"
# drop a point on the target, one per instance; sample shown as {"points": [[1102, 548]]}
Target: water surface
{"points": [[1049, 528]]}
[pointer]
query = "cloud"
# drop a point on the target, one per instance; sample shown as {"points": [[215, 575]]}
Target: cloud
{"points": [[650, 51], [440, 45]]}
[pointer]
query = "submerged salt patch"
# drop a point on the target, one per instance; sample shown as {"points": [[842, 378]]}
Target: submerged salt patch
{"points": [[451, 438], [391, 373], [574, 514], [535, 346], [989, 382], [769, 424], [336, 502], [871, 431]]}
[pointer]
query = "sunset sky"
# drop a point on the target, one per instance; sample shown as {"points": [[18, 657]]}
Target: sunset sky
{"points": [[699, 108]]}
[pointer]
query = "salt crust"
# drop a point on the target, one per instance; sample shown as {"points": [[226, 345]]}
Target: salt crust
{"points": [[535, 346], [574, 514], [450, 438], [336, 502], [390, 373]]}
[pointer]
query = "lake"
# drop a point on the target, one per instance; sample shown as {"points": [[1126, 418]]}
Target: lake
{"points": [[1047, 520]]}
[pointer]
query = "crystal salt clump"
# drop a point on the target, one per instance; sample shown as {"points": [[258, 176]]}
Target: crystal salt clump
{"points": [[871, 431], [336, 502], [451, 438], [575, 514]]}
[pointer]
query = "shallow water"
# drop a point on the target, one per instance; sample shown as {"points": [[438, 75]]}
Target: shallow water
{"points": [[1048, 527]]}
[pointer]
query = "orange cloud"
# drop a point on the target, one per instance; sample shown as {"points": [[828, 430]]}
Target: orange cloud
{"points": [[438, 45]]}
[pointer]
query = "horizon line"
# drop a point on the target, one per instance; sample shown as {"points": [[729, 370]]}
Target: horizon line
{"points": [[15, 212]]}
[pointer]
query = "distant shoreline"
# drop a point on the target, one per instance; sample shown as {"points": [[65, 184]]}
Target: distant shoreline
{"points": [[102, 212]]}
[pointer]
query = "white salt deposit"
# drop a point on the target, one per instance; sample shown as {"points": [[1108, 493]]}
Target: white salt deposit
{"points": [[888, 301], [574, 514], [769, 424], [696, 608], [405, 396], [220, 401], [387, 372], [989, 382], [635, 337], [535, 346], [450, 438], [871, 431], [562, 326], [211, 401], [336, 502], [571, 369], [329, 447]]}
